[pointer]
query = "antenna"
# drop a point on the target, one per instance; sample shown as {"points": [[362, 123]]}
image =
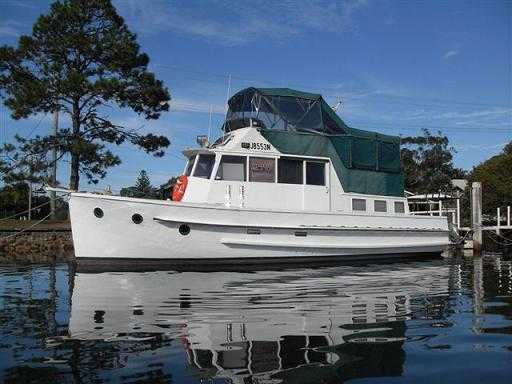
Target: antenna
{"points": [[338, 104], [210, 123], [229, 91]]}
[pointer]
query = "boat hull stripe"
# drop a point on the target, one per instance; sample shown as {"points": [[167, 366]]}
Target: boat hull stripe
{"points": [[302, 227]]}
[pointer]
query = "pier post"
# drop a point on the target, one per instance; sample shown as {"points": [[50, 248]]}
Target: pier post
{"points": [[458, 213], [476, 216], [508, 216], [498, 220]]}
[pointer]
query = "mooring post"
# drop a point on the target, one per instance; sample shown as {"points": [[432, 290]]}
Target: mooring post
{"points": [[476, 216], [508, 216], [458, 213], [498, 220]]}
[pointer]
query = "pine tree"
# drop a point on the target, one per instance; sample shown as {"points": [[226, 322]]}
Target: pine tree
{"points": [[143, 185], [79, 59]]}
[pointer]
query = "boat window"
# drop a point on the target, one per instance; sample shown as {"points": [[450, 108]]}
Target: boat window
{"points": [[223, 140], [358, 204], [190, 165], [380, 206], [231, 168], [399, 207], [204, 166], [289, 171], [315, 173], [262, 169]]}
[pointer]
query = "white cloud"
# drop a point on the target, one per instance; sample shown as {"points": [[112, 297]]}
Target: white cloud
{"points": [[451, 53], [479, 147], [189, 105], [9, 28], [241, 22]]}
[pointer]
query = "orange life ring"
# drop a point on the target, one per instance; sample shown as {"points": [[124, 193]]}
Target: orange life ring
{"points": [[179, 188]]}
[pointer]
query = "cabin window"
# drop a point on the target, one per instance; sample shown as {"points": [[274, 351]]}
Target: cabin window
{"points": [[231, 168], [380, 206], [204, 166], [262, 169], [190, 165], [399, 207], [289, 171], [358, 204], [315, 173]]}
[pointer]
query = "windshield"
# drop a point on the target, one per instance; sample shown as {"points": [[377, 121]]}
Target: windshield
{"points": [[190, 165], [204, 166], [277, 112]]}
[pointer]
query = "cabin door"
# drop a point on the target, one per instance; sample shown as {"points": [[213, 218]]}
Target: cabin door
{"points": [[316, 186]]}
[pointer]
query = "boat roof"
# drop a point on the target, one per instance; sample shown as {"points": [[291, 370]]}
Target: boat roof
{"points": [[293, 110], [303, 124]]}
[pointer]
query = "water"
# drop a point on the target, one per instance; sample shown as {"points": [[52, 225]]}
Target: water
{"points": [[431, 321]]}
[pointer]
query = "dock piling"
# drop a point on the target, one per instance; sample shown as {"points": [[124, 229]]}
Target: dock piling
{"points": [[498, 220], [476, 216]]}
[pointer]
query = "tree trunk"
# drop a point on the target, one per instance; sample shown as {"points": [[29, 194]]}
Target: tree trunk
{"points": [[74, 178]]}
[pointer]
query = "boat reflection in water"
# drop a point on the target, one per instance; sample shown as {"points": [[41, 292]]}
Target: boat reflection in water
{"points": [[268, 326]]}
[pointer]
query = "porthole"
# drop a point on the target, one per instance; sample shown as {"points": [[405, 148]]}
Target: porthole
{"points": [[98, 212], [184, 229], [136, 218]]}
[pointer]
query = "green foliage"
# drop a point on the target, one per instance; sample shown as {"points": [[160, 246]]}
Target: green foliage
{"points": [[495, 174], [17, 168], [428, 163], [143, 185], [14, 200], [165, 190], [141, 189], [81, 59]]}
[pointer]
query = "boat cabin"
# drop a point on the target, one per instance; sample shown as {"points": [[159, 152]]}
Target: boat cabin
{"points": [[287, 150]]}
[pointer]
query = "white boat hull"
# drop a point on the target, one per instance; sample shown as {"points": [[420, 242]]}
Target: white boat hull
{"points": [[219, 233]]}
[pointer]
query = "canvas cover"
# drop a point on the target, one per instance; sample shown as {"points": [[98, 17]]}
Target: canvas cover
{"points": [[302, 123]]}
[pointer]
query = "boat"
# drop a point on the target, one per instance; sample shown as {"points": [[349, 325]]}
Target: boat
{"points": [[287, 181], [261, 326]]}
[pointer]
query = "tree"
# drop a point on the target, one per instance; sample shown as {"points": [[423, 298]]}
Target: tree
{"points": [[15, 168], [143, 185], [142, 188], [6, 166], [81, 59], [428, 163], [495, 174], [14, 200]]}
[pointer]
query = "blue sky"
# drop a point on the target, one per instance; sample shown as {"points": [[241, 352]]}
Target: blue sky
{"points": [[398, 66]]}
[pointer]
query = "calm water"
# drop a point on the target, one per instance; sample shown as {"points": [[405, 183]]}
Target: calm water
{"points": [[431, 321]]}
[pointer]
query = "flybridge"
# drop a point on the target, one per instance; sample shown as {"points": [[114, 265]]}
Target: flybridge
{"points": [[302, 123]]}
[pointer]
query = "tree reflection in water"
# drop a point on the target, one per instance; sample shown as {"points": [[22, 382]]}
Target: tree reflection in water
{"points": [[410, 320]]}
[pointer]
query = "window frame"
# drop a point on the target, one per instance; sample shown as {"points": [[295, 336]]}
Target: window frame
{"points": [[305, 172], [359, 199], [297, 159], [261, 157], [198, 159], [219, 165], [402, 203], [194, 157], [380, 201]]}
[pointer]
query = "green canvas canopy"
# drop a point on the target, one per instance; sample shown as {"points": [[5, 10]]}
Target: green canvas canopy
{"points": [[302, 123]]}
